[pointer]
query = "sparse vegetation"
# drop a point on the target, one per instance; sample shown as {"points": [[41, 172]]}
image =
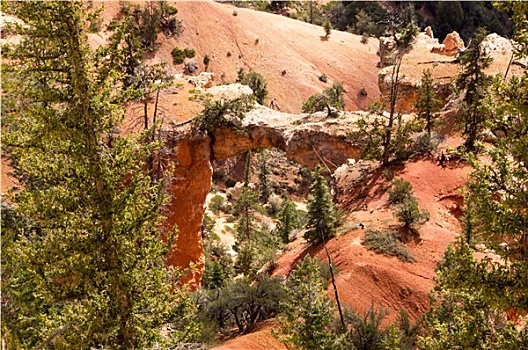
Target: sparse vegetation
{"points": [[364, 39], [189, 53], [330, 98], [206, 61], [386, 242], [410, 215], [327, 28], [178, 56], [217, 204], [363, 92], [256, 82], [407, 210], [401, 191]]}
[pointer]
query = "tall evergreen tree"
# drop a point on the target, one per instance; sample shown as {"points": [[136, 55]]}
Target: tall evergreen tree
{"points": [[321, 211], [247, 228], [427, 104], [288, 219], [475, 82], [84, 263], [473, 297], [265, 188], [307, 312]]}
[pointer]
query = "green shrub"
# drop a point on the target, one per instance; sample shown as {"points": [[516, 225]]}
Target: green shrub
{"points": [[189, 53], [327, 28], [401, 191], [222, 113], [410, 215], [177, 56], [217, 204], [426, 144], [331, 97], [364, 39], [363, 92], [256, 82], [366, 330], [385, 242]]}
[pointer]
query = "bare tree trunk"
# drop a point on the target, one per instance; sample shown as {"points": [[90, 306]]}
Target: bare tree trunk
{"points": [[392, 111], [333, 283]]}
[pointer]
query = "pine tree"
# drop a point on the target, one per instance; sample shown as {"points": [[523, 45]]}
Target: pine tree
{"points": [[473, 297], [265, 188], [246, 228], [475, 82], [427, 104], [462, 316], [307, 312], [86, 266], [288, 219], [321, 211]]}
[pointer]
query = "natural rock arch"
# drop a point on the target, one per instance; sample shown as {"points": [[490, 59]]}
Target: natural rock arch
{"points": [[305, 139]]}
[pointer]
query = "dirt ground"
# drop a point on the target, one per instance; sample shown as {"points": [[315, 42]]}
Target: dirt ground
{"points": [[290, 54]]}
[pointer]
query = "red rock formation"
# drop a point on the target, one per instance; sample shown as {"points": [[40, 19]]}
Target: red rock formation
{"points": [[190, 184], [427, 54], [306, 143]]}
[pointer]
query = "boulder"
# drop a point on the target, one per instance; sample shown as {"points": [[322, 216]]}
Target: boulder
{"points": [[429, 32], [453, 44], [191, 66], [202, 80]]}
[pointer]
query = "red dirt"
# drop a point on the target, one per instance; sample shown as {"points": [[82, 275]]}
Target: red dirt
{"points": [[365, 277], [268, 44], [259, 339]]}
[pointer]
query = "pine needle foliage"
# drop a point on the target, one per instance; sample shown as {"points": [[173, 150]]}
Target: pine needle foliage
{"points": [[428, 104], [288, 219], [321, 211], [475, 82], [307, 313], [84, 262]]}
